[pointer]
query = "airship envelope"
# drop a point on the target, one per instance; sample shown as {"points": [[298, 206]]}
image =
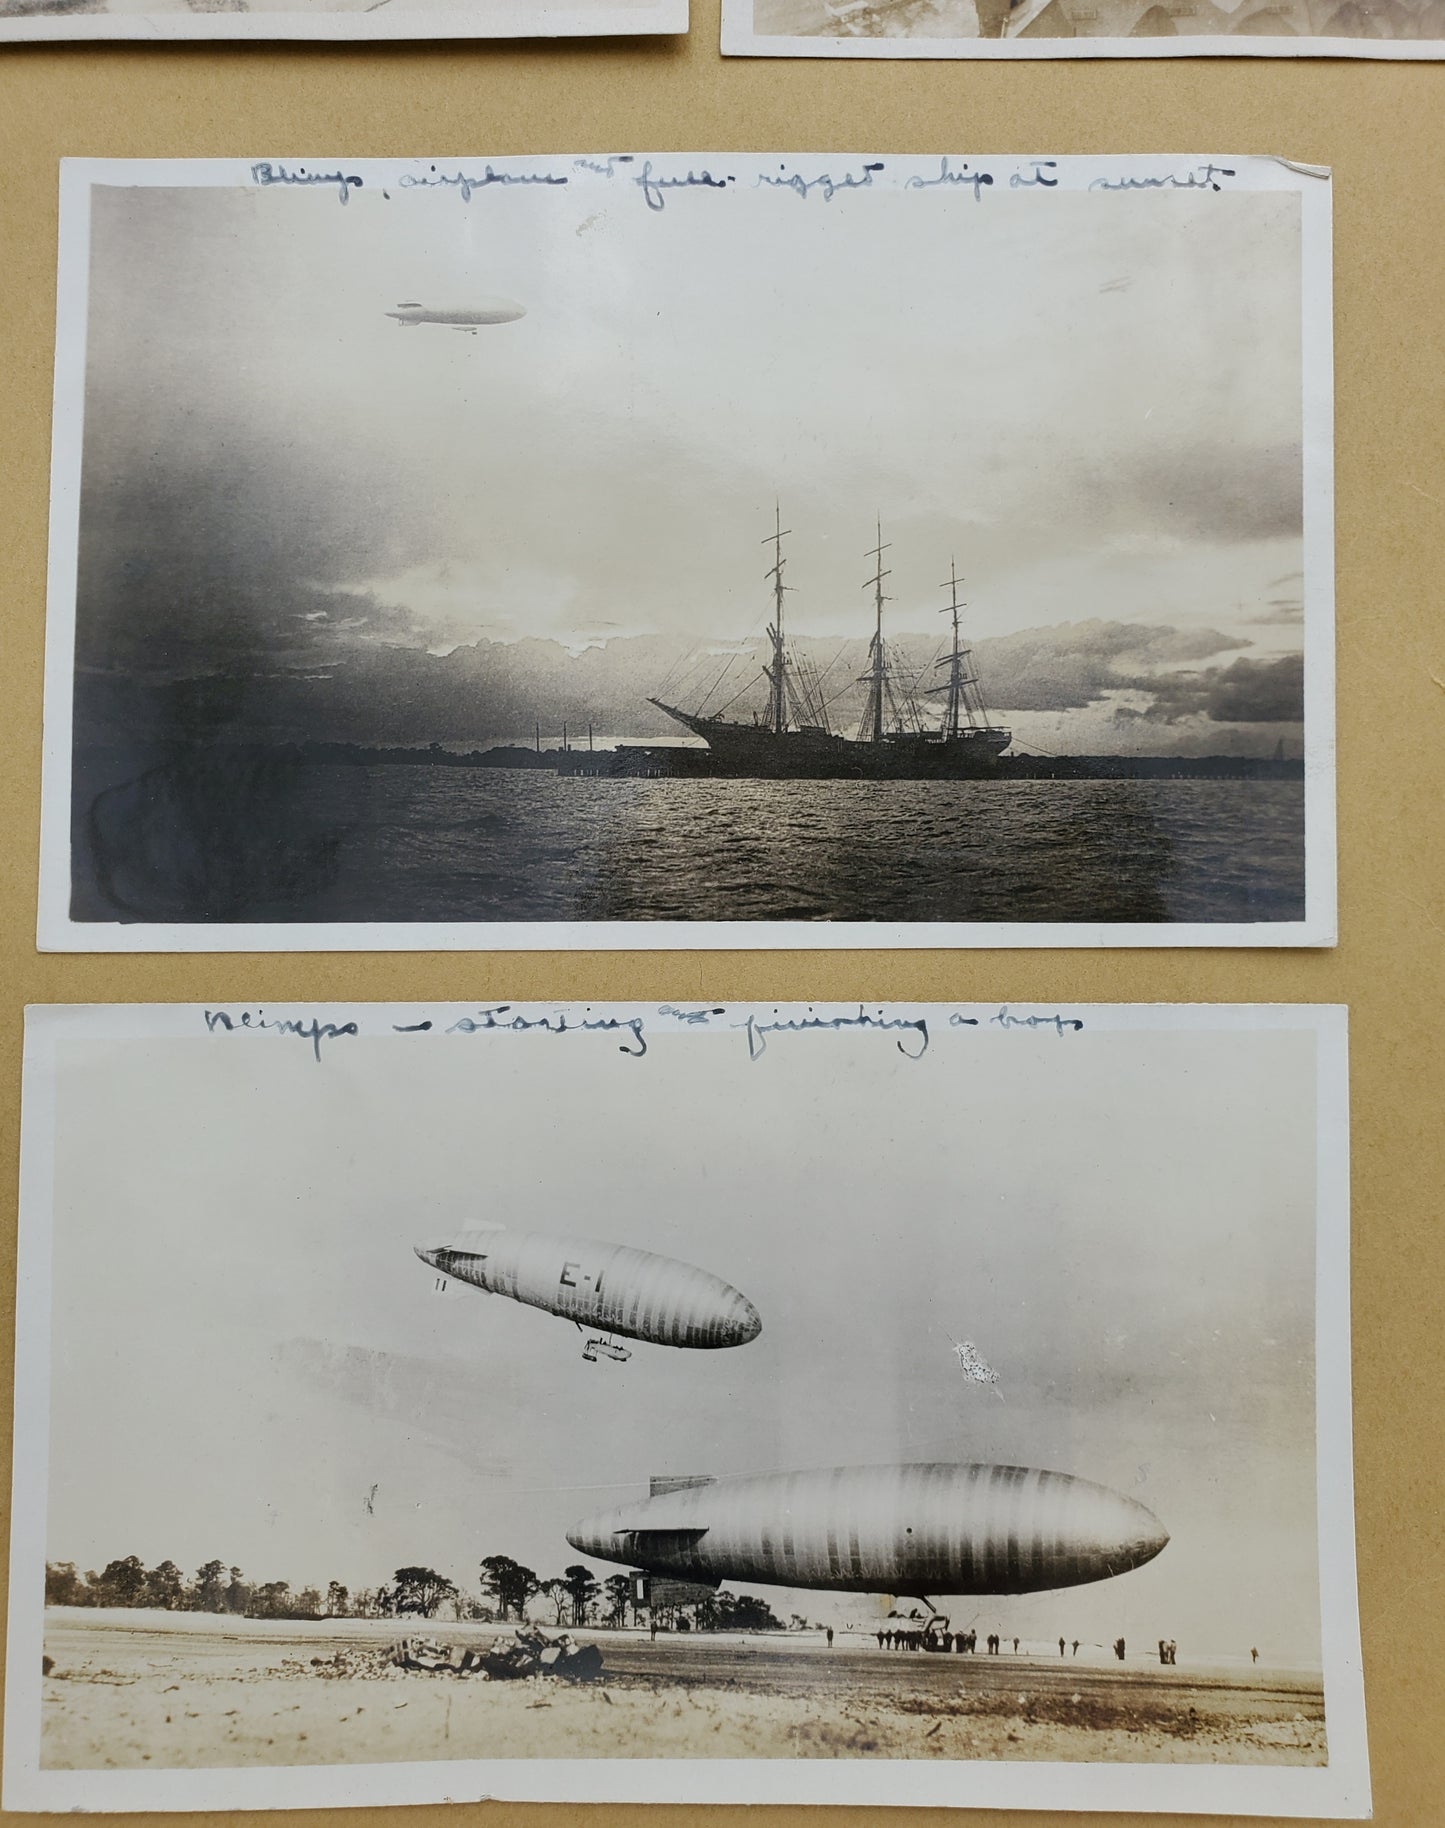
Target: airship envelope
{"points": [[608, 1286], [917, 1530], [459, 317]]}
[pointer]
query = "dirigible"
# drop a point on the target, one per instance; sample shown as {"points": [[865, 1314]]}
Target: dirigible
{"points": [[468, 317], [610, 1287], [915, 1530]]}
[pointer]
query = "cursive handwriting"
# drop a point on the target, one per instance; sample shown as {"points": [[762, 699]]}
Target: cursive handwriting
{"points": [[756, 1031], [313, 1031], [1059, 1024], [913, 1036], [558, 1024], [1203, 177], [652, 186], [825, 182], [465, 183], [1020, 180], [948, 176], [267, 173]]}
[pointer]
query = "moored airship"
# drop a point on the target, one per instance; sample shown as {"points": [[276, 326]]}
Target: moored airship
{"points": [[610, 1287], [485, 311], [913, 1530]]}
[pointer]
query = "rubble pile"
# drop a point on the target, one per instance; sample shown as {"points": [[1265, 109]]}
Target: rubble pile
{"points": [[527, 1652], [533, 1653], [353, 1660]]}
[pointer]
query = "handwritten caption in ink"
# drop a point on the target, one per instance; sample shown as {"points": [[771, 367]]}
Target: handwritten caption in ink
{"points": [[654, 186], [911, 1033]]}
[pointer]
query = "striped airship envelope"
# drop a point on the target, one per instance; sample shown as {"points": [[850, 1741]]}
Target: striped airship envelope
{"points": [[611, 1287], [918, 1530]]}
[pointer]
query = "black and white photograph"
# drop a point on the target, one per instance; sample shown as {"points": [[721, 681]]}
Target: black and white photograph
{"points": [[691, 550], [153, 20], [1084, 28], [900, 1405]]}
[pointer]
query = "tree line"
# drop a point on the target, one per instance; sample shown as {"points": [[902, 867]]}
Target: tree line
{"points": [[506, 1591]]}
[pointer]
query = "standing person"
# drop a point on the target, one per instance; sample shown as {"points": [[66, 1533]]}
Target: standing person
{"points": [[1163, 1651], [1253, 1654], [1076, 1647], [1173, 1653], [1119, 1649], [1016, 1647], [830, 1637], [1061, 1646]]}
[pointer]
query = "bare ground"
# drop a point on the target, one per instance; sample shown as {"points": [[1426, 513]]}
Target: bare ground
{"points": [[188, 1691]]}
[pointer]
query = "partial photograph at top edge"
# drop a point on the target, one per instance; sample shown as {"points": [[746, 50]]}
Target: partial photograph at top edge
{"points": [[907, 560], [1418, 24], [151, 19]]}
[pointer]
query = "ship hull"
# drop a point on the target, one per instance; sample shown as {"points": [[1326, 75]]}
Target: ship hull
{"points": [[754, 752]]}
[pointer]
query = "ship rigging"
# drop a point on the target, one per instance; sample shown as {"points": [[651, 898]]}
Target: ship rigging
{"points": [[895, 739]]}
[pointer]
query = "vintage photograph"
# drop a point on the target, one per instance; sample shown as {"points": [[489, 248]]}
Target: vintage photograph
{"points": [[691, 550], [336, 19], [900, 1405], [1085, 28]]}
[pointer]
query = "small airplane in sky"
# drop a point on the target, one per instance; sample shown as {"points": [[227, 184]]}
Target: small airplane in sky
{"points": [[486, 311]]}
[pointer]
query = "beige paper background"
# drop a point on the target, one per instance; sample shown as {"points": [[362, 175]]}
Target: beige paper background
{"points": [[1381, 126]]}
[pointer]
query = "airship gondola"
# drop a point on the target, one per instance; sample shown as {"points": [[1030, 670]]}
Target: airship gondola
{"points": [[912, 1530], [609, 1287]]}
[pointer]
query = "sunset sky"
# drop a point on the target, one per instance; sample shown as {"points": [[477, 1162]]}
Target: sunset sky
{"points": [[1091, 403]]}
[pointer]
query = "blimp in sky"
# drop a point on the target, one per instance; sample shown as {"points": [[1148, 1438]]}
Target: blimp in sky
{"points": [[918, 1531], [610, 1287], [468, 317]]}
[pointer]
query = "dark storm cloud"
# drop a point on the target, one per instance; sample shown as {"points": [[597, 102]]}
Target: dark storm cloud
{"points": [[214, 545], [1245, 692], [1069, 667]]}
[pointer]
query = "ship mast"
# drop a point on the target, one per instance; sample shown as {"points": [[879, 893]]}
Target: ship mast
{"points": [[955, 659], [777, 673], [877, 670]]}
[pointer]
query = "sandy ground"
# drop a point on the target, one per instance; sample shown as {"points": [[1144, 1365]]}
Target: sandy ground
{"points": [[184, 1690]]}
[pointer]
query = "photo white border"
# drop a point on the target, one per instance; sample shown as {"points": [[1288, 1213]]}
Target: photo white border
{"points": [[740, 40], [57, 932], [1337, 1791], [477, 19]]}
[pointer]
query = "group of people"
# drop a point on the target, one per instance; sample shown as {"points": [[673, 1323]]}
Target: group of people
{"points": [[929, 1637], [935, 1637], [938, 1637]]}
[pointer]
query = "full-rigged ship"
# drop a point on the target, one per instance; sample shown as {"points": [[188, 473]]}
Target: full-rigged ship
{"points": [[896, 738]]}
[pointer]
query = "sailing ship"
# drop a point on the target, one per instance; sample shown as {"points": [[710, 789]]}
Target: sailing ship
{"points": [[896, 738]]}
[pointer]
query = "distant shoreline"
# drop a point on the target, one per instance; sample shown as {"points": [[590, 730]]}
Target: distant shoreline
{"points": [[689, 762]]}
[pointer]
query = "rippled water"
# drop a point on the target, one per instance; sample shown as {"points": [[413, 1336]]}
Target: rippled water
{"points": [[389, 843]]}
